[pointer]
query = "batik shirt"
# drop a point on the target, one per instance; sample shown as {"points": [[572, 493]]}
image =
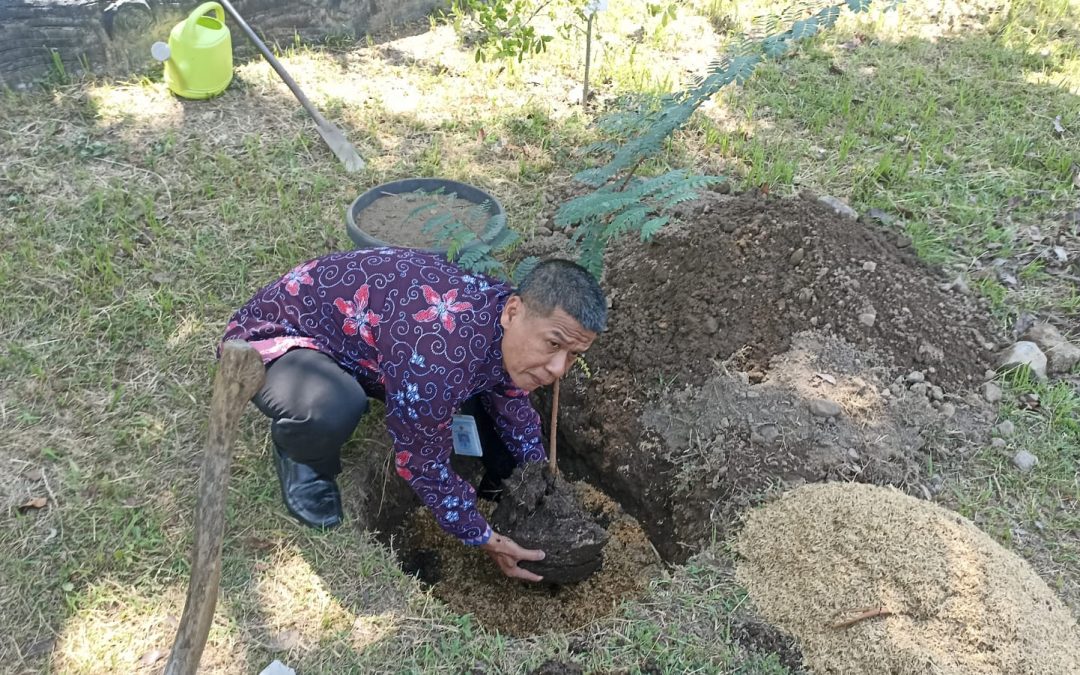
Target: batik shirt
{"points": [[418, 333]]}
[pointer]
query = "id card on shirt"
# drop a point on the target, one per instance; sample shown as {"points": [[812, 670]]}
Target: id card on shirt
{"points": [[466, 438]]}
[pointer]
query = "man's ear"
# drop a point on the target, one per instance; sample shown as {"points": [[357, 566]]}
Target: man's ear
{"points": [[513, 310]]}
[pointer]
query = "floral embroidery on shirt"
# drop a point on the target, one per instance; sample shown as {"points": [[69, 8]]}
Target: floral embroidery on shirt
{"points": [[359, 319], [298, 275], [442, 308]]}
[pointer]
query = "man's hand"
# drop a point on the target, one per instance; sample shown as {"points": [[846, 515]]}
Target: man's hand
{"points": [[507, 554]]}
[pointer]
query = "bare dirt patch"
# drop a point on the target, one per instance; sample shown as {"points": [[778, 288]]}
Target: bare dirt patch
{"points": [[951, 599]]}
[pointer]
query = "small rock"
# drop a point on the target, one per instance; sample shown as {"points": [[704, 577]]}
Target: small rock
{"points": [[1061, 355], [991, 392], [1025, 461], [919, 388], [821, 407], [947, 410], [957, 285], [766, 434], [881, 216], [1006, 428], [1024, 353], [711, 325], [806, 295], [902, 241], [998, 443], [884, 393], [897, 389], [989, 374], [936, 484], [797, 256], [839, 206], [853, 454], [915, 376], [937, 393], [867, 319], [543, 231], [928, 353], [869, 266], [151, 657]]}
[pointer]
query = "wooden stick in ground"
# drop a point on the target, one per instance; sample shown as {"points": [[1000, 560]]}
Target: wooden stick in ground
{"points": [[864, 613], [239, 376], [554, 429]]}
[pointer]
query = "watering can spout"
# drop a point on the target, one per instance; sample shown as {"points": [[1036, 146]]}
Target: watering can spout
{"points": [[198, 55]]}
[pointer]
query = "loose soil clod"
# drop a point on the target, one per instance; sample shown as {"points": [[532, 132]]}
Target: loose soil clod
{"points": [[539, 510]]}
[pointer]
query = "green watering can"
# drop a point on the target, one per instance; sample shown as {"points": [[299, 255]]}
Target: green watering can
{"points": [[198, 57]]}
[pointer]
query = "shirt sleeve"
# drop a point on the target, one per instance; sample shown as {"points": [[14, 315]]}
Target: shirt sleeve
{"points": [[422, 446], [517, 422]]}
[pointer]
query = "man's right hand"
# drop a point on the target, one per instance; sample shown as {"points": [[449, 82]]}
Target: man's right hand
{"points": [[507, 554]]}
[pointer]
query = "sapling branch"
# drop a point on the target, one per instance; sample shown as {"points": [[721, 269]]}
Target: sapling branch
{"points": [[554, 428]]}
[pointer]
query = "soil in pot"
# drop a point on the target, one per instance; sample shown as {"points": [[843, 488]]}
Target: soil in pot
{"points": [[400, 219]]}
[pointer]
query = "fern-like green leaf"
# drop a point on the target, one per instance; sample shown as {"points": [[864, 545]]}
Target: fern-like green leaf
{"points": [[652, 226], [524, 268]]}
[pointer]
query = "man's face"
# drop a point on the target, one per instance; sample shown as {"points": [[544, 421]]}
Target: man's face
{"points": [[537, 349]]}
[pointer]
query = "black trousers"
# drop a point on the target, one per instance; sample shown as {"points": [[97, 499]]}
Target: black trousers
{"points": [[314, 406]]}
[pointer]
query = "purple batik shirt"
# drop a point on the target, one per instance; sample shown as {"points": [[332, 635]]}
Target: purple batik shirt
{"points": [[417, 332]]}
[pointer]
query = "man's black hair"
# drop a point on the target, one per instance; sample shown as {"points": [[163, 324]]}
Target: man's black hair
{"points": [[567, 286]]}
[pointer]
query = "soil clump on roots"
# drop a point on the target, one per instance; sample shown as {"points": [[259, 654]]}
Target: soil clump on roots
{"points": [[539, 510], [948, 598]]}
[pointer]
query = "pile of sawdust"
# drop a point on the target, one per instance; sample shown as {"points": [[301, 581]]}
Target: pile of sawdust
{"points": [[958, 602], [470, 583]]}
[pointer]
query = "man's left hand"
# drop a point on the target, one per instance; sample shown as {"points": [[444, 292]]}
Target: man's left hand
{"points": [[507, 554]]}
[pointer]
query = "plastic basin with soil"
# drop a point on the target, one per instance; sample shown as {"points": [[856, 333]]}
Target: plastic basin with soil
{"points": [[407, 213]]}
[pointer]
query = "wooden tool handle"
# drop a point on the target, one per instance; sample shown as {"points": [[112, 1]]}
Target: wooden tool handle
{"points": [[240, 375]]}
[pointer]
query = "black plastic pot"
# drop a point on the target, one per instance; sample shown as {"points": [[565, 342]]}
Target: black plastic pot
{"points": [[462, 191]]}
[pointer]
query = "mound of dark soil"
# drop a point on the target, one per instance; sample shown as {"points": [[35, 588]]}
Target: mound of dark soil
{"points": [[696, 397], [749, 272], [539, 510]]}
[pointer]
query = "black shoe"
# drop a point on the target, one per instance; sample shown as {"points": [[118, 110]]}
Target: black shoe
{"points": [[313, 498]]}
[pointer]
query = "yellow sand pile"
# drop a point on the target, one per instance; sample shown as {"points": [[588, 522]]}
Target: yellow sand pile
{"points": [[957, 601]]}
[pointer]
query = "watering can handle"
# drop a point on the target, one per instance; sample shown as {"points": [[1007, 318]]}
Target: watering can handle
{"points": [[206, 7]]}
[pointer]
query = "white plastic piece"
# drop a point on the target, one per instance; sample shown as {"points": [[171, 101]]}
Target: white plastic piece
{"points": [[277, 668], [160, 51]]}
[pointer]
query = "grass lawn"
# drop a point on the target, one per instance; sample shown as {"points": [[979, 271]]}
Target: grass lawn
{"points": [[134, 223]]}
